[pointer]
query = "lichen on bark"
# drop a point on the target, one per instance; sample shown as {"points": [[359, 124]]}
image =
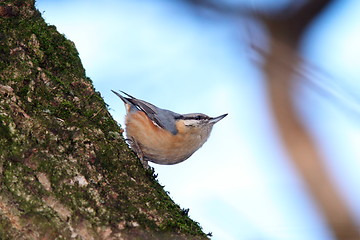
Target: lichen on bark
{"points": [[65, 170]]}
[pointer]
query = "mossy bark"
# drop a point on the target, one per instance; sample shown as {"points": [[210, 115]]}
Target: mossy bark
{"points": [[65, 170]]}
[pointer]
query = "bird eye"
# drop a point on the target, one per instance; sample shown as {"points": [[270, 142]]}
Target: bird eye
{"points": [[198, 117]]}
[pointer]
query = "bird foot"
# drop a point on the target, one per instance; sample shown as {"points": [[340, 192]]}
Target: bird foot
{"points": [[136, 148]]}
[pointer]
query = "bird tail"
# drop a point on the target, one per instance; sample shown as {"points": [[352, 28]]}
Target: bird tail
{"points": [[124, 99]]}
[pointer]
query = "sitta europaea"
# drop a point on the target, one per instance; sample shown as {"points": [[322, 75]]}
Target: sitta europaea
{"points": [[162, 136]]}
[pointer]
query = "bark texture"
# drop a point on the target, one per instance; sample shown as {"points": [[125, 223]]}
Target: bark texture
{"points": [[65, 170]]}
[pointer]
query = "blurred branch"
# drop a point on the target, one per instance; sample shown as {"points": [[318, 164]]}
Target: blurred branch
{"points": [[286, 29], [300, 145], [285, 35]]}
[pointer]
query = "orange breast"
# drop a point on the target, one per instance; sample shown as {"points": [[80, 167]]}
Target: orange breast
{"points": [[159, 145]]}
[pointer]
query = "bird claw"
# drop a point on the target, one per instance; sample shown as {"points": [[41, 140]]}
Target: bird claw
{"points": [[136, 148]]}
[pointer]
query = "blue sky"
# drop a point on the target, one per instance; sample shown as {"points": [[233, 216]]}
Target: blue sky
{"points": [[240, 184]]}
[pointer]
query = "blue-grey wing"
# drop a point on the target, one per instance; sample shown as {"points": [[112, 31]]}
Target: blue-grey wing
{"points": [[162, 117]]}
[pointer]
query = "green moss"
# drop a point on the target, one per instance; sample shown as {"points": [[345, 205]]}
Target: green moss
{"points": [[55, 123], [10, 145], [5, 135], [6, 224], [45, 225]]}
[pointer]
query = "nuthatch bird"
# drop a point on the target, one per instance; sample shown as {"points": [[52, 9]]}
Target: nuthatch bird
{"points": [[162, 136]]}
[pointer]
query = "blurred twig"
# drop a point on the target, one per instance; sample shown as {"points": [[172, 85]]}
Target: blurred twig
{"points": [[329, 86]]}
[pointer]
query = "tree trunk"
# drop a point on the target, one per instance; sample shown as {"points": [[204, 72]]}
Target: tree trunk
{"points": [[65, 170]]}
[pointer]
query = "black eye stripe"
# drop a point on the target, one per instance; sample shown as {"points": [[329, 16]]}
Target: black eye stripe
{"points": [[195, 118], [192, 117]]}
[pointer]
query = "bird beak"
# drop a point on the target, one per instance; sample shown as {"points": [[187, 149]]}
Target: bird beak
{"points": [[216, 119]]}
